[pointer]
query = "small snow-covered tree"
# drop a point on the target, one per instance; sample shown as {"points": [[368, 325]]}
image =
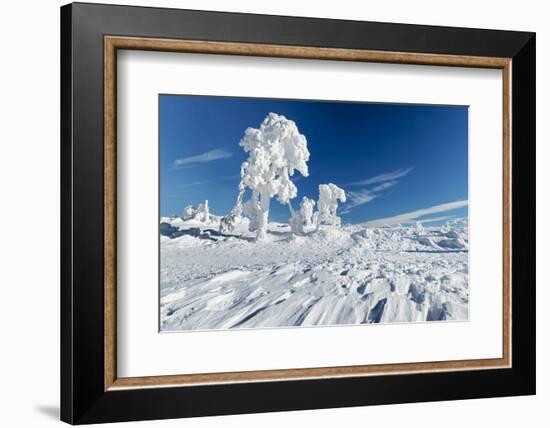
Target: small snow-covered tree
{"points": [[296, 224], [445, 228], [329, 195], [189, 212], [275, 151], [227, 223], [304, 217], [252, 209], [203, 213], [306, 211]]}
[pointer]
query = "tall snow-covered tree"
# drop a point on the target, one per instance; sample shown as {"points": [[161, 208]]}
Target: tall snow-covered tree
{"points": [[275, 151], [329, 195]]}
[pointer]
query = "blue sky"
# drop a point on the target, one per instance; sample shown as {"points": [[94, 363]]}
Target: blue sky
{"points": [[396, 162]]}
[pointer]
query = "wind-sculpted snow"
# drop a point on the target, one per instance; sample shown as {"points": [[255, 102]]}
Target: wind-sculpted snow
{"points": [[348, 275]]}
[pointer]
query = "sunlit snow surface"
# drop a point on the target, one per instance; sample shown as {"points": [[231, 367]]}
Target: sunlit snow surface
{"points": [[349, 275]]}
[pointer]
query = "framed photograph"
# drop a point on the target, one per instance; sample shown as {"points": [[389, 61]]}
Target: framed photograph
{"points": [[266, 213]]}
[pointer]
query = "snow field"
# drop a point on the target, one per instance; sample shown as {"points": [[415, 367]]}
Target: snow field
{"points": [[347, 275]]}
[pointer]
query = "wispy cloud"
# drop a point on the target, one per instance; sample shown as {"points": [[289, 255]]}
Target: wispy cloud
{"points": [[384, 185], [429, 219], [374, 186], [416, 215], [209, 156], [388, 176], [357, 198], [214, 180]]}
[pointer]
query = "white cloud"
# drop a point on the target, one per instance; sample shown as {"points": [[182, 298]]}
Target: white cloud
{"points": [[215, 180], [384, 185], [416, 215], [209, 156], [429, 220], [363, 196], [359, 197], [388, 176]]}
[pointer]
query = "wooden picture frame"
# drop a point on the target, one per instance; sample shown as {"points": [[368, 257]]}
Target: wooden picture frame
{"points": [[91, 390]]}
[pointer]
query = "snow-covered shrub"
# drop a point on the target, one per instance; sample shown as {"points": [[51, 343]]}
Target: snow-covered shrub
{"points": [[203, 213], [302, 219], [252, 210], [329, 195], [275, 151], [296, 224], [227, 223], [306, 211], [445, 227], [189, 213], [200, 213]]}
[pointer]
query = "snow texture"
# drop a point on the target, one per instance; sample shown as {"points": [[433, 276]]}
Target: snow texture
{"points": [[327, 276]]}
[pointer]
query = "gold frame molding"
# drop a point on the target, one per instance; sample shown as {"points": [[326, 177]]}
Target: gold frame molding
{"points": [[113, 43]]}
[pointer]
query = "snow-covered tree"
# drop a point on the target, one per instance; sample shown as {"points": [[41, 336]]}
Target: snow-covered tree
{"points": [[227, 223], [189, 212], [306, 211], [203, 213], [445, 227], [252, 209], [303, 218], [275, 151], [329, 195]]}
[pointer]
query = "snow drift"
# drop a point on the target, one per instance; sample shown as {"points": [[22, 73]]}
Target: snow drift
{"points": [[347, 275]]}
